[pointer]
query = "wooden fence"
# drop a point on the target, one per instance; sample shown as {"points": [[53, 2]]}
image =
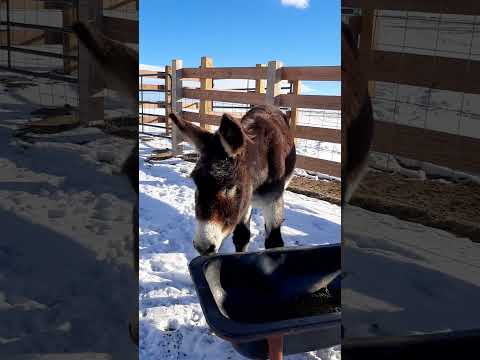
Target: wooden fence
{"points": [[434, 72], [15, 34], [267, 91]]}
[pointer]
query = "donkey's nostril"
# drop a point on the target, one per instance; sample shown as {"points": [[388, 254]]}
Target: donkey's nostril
{"points": [[204, 251]]}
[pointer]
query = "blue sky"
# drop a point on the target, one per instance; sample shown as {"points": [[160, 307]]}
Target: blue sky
{"points": [[242, 33]]}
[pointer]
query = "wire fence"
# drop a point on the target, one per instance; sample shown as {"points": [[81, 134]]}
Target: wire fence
{"points": [[152, 104], [324, 119], [452, 112], [445, 108], [38, 39], [36, 42], [437, 35], [453, 36], [37, 51]]}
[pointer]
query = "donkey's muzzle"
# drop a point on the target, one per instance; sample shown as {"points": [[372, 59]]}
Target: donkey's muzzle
{"points": [[205, 251]]}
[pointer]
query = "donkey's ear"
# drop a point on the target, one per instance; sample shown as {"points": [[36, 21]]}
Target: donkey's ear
{"points": [[197, 136], [119, 62], [231, 135]]}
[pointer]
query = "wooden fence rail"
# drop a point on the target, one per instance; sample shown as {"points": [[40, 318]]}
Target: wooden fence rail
{"points": [[267, 90], [432, 72]]}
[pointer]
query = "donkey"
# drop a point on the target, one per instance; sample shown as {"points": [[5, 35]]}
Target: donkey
{"points": [[357, 117], [120, 66], [246, 163]]}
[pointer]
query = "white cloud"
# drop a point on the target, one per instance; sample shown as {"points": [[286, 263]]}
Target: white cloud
{"points": [[151, 67], [301, 4]]}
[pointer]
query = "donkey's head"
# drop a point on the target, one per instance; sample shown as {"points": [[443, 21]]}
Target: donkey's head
{"points": [[357, 119], [222, 183]]}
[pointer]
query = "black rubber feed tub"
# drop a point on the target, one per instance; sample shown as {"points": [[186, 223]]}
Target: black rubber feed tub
{"points": [[245, 297]]}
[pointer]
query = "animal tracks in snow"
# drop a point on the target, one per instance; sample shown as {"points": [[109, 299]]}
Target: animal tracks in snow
{"points": [[172, 325]]}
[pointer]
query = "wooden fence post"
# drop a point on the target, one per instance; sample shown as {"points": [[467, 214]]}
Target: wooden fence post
{"points": [[90, 77], [260, 83], [273, 81], [297, 86], [206, 84], [168, 97], [367, 37], [177, 65], [68, 39]]}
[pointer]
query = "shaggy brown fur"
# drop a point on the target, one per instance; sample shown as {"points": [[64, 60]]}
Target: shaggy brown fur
{"points": [[250, 159]]}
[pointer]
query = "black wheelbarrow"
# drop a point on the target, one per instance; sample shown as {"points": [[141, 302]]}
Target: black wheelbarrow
{"points": [[256, 300]]}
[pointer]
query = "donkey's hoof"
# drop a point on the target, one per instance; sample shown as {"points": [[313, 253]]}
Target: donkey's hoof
{"points": [[274, 239]]}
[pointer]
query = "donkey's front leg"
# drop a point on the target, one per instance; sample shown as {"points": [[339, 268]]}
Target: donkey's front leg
{"points": [[273, 216], [241, 234]]}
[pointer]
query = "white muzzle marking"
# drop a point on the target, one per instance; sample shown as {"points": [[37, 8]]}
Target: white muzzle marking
{"points": [[208, 233]]}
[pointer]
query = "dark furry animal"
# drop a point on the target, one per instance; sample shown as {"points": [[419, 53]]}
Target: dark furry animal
{"points": [[246, 163], [357, 117]]}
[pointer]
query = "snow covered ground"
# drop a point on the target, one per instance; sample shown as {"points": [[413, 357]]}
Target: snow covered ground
{"points": [[428, 277], [172, 325], [405, 278], [65, 263]]}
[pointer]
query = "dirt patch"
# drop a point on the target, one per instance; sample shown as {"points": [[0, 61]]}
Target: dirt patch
{"points": [[163, 154], [448, 206], [159, 155], [322, 301], [50, 125], [327, 190]]}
